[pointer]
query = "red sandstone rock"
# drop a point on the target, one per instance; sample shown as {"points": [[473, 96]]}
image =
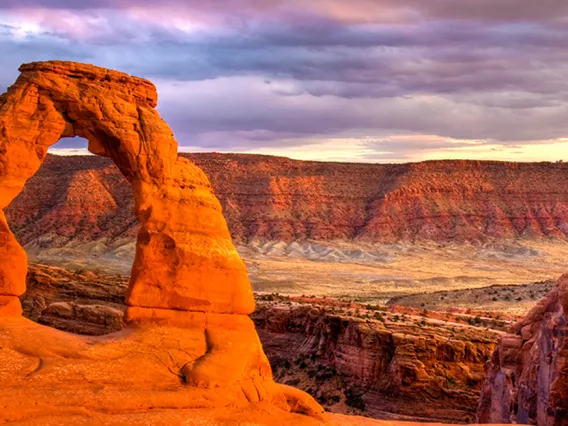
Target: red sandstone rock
{"points": [[184, 245], [272, 198], [399, 370], [527, 379], [189, 292], [430, 372]]}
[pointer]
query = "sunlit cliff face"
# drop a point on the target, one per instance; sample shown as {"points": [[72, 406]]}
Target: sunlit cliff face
{"points": [[372, 80]]}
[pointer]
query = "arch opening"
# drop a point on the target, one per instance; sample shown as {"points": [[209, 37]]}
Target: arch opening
{"points": [[77, 279], [70, 146]]}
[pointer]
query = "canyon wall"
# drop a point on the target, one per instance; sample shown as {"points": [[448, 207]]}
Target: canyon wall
{"points": [[527, 379], [395, 367], [84, 198]]}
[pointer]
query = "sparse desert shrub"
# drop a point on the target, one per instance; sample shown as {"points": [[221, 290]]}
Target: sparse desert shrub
{"points": [[450, 380], [354, 400]]}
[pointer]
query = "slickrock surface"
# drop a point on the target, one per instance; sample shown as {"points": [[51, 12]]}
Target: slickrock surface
{"points": [[278, 199], [527, 378], [188, 342], [253, 415]]}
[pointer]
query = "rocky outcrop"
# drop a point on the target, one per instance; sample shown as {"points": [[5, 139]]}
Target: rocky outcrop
{"points": [[527, 379], [272, 198], [394, 367], [80, 302], [189, 294]]}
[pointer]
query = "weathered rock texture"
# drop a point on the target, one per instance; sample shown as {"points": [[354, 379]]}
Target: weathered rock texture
{"points": [[272, 198], [527, 379], [187, 277], [79, 302]]}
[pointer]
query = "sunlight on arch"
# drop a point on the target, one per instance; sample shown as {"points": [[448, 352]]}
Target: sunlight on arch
{"points": [[70, 146]]}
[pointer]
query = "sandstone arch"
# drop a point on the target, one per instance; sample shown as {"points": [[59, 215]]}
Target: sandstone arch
{"points": [[189, 296], [185, 259]]}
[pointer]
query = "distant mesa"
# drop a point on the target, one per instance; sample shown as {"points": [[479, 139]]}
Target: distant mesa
{"points": [[264, 198], [189, 296]]}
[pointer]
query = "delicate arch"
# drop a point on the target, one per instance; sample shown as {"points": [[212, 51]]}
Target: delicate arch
{"points": [[185, 259]]}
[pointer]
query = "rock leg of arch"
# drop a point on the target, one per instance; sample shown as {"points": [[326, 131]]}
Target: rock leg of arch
{"points": [[187, 272]]}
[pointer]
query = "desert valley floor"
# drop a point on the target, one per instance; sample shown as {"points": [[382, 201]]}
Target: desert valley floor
{"points": [[374, 273]]}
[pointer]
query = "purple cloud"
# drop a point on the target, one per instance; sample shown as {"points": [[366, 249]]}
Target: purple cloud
{"points": [[241, 74]]}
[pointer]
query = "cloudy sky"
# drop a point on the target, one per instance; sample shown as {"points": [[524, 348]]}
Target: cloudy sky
{"points": [[357, 80]]}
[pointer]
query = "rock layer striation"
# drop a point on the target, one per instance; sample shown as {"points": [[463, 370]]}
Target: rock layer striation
{"points": [[277, 199], [398, 367]]}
